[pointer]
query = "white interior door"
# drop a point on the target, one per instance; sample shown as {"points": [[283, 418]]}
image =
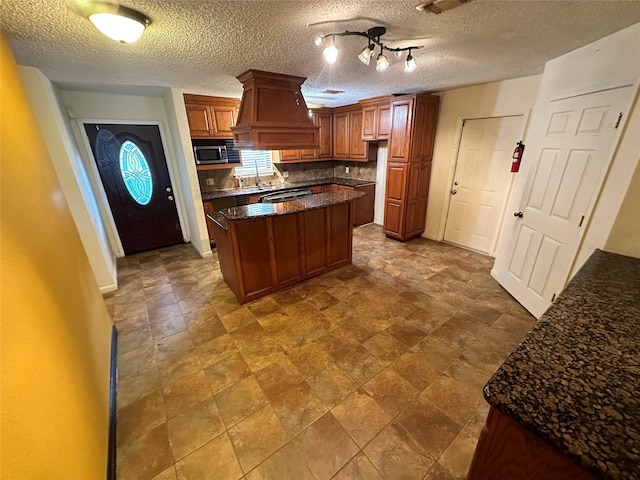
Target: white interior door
{"points": [[482, 181], [568, 151]]}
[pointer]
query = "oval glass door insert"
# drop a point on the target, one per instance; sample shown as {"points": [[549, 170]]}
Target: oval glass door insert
{"points": [[135, 172]]}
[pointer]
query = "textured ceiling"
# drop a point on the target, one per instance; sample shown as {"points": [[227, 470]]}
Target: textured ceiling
{"points": [[200, 46]]}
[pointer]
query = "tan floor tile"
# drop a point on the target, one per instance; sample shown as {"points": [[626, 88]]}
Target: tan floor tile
{"points": [[227, 372], [135, 337], [332, 384], [406, 333], [240, 400], [301, 332], [278, 378], [429, 426], [186, 393], [427, 321], [298, 407], [264, 307], [453, 398], [146, 456], [358, 362], [415, 370], [286, 463], [457, 458], [137, 386], [237, 319], [326, 447], [385, 347], [137, 360], [323, 300], [437, 353], [440, 472], [391, 391], [359, 468], [310, 359], [361, 417], [453, 336], [174, 348], [396, 455], [215, 350], [137, 418], [162, 312], [216, 456], [484, 355], [195, 427], [468, 375], [166, 328], [257, 437], [288, 297], [168, 474], [178, 369], [301, 309]]}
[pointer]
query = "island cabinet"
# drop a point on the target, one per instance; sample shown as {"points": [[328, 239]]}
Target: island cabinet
{"points": [[323, 118], [347, 136], [410, 152], [264, 248], [364, 207], [211, 117], [376, 118]]}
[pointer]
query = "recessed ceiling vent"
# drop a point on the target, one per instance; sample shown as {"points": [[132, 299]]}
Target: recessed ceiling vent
{"points": [[439, 6], [273, 114]]}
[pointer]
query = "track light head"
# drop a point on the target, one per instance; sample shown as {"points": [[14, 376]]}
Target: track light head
{"points": [[410, 63], [366, 54], [382, 63]]}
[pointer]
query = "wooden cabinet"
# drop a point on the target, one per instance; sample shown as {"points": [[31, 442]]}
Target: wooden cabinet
{"points": [[376, 118], [322, 118], [506, 451], [211, 117], [413, 124], [363, 208], [347, 135], [208, 208]]}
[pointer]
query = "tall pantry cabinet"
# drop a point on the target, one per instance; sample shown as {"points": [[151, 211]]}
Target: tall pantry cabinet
{"points": [[410, 152]]}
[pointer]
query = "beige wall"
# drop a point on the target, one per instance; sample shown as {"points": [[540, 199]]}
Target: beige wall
{"points": [[497, 99], [55, 329], [625, 234]]}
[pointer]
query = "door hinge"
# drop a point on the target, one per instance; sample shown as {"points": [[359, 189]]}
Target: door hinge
{"points": [[581, 220], [619, 119], [553, 298], [463, 122]]}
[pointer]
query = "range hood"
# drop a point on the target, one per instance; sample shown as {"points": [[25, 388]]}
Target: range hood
{"points": [[273, 114]]}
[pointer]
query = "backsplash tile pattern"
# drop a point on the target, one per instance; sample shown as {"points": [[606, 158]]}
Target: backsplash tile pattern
{"points": [[298, 172]]}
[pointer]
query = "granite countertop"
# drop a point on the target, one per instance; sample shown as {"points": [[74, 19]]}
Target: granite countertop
{"points": [[575, 379], [234, 192], [257, 210]]}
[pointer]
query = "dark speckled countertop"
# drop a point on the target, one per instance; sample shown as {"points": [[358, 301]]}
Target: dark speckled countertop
{"points": [[351, 182], [256, 210], [575, 379]]}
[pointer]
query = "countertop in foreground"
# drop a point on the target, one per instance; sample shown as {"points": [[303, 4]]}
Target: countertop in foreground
{"points": [[575, 379], [258, 210]]}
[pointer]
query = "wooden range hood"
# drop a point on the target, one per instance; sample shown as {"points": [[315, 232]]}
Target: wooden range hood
{"points": [[273, 114]]}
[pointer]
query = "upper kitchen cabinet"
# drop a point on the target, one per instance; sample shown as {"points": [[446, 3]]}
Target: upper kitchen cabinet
{"points": [[211, 117], [347, 136], [376, 118], [413, 126], [322, 118]]}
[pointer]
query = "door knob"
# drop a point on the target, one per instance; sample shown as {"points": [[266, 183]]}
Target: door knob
{"points": [[455, 183], [454, 191], [518, 214], [170, 197]]}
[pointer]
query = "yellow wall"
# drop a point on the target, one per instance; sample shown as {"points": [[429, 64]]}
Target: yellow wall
{"points": [[625, 234], [55, 330]]}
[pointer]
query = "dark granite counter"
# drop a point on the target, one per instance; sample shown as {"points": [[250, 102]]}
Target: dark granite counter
{"points": [[257, 210], [351, 182], [575, 379]]}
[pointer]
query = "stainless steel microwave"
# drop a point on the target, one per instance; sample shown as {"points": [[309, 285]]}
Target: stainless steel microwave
{"points": [[210, 154]]}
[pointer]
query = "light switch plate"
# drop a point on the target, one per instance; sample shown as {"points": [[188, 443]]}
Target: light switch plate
{"points": [[211, 181], [285, 174], [346, 169]]}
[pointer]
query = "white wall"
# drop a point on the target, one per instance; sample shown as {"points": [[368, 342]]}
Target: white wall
{"points": [[497, 99], [160, 106], [55, 128], [381, 183]]}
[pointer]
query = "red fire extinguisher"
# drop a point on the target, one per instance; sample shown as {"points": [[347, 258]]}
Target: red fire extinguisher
{"points": [[517, 157]]}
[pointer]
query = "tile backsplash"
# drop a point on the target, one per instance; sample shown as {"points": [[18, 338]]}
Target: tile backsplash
{"points": [[298, 172]]}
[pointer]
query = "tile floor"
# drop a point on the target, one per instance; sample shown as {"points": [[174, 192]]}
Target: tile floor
{"points": [[373, 371]]}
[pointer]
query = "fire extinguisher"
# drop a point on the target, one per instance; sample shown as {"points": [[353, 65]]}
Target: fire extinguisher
{"points": [[517, 157]]}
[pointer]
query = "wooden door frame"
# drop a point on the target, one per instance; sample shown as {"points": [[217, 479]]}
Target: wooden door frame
{"points": [[452, 172], [100, 194]]}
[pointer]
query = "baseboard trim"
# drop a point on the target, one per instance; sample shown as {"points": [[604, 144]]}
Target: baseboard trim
{"points": [[113, 386]]}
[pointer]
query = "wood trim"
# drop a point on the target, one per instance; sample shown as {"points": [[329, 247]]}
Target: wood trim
{"points": [[113, 408]]}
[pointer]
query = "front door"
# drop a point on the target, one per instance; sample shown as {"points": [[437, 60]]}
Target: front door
{"points": [[569, 150], [481, 182], [134, 173]]}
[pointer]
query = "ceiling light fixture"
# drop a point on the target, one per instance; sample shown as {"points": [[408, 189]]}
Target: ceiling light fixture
{"points": [[122, 24], [373, 35]]}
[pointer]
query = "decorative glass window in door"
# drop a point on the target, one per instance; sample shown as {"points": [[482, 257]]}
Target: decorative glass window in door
{"points": [[135, 172]]}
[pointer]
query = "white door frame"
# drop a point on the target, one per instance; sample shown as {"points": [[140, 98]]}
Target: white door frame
{"points": [[452, 171]]}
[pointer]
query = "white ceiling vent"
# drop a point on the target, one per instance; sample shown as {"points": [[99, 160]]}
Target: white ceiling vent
{"points": [[439, 6]]}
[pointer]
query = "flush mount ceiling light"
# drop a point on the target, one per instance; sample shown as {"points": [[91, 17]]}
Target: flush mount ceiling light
{"points": [[120, 23], [373, 35]]}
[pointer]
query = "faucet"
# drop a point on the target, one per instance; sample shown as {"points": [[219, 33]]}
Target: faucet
{"points": [[258, 179]]}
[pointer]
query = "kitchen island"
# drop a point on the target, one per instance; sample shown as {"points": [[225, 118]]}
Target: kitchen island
{"points": [[267, 247], [566, 403]]}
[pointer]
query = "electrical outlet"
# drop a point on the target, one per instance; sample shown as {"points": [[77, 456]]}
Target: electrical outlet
{"points": [[346, 169], [285, 174], [211, 181]]}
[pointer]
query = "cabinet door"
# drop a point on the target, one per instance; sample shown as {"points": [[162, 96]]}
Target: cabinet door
{"points": [[418, 197], [323, 120], [424, 121], [369, 123], [199, 120], [341, 135], [208, 208], [384, 121], [357, 147], [330, 188], [289, 155], [395, 201], [401, 126], [224, 118], [363, 208]]}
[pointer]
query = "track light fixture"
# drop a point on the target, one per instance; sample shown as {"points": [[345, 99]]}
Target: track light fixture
{"points": [[373, 35]]}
